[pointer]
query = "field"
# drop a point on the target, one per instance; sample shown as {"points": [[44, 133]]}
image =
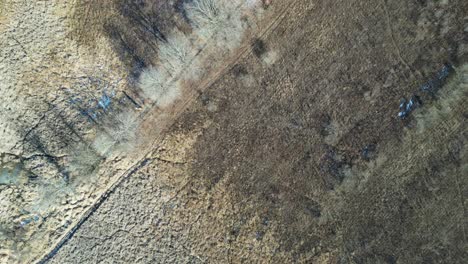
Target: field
{"points": [[276, 142]]}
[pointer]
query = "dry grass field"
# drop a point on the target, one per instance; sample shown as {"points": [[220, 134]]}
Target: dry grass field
{"points": [[252, 131]]}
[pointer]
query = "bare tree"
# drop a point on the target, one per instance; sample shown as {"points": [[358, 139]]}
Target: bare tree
{"points": [[220, 22]]}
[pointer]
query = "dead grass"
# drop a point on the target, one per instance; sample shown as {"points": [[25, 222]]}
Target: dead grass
{"points": [[3, 15], [454, 94], [88, 19]]}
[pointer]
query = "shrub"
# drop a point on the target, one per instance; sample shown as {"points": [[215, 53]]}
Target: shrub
{"points": [[204, 12], [126, 125], [218, 22], [160, 84], [156, 86], [102, 144], [176, 54], [258, 47], [83, 160], [120, 131]]}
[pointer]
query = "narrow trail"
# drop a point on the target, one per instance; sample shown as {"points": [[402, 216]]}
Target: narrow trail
{"points": [[140, 163]]}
